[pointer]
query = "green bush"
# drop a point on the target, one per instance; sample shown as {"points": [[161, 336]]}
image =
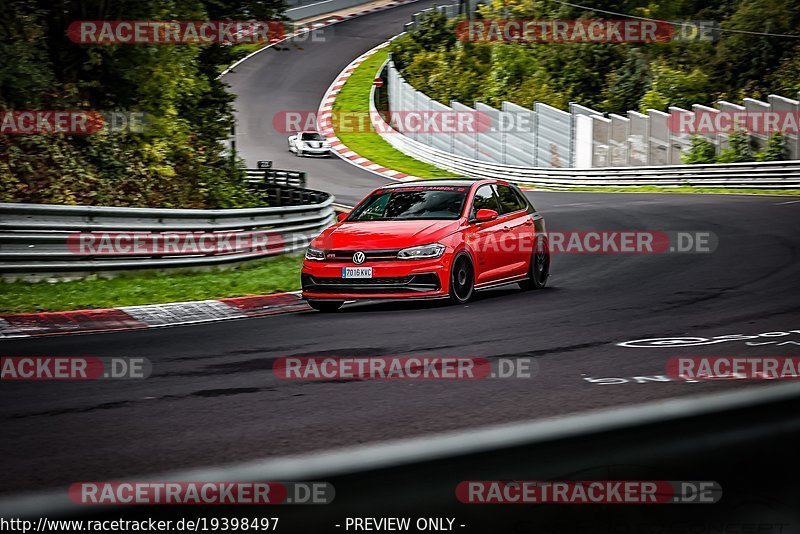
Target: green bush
{"points": [[700, 152], [775, 149], [738, 151]]}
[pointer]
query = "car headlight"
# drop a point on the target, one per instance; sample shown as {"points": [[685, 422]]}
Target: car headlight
{"points": [[314, 254], [434, 250]]}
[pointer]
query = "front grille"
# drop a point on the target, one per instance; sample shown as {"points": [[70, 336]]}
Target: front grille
{"points": [[371, 255], [400, 284], [362, 281]]}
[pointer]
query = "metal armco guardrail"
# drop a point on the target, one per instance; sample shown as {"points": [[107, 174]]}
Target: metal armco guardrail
{"points": [[762, 175], [45, 240]]}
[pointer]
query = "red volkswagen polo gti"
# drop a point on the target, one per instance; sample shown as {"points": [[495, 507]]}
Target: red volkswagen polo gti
{"points": [[428, 239]]}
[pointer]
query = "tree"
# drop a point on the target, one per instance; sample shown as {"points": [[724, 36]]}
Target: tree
{"points": [[626, 86], [433, 30], [785, 81], [747, 61], [674, 87], [179, 162]]}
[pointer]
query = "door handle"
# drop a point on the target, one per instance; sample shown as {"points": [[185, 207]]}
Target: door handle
{"points": [[528, 222], [506, 228]]}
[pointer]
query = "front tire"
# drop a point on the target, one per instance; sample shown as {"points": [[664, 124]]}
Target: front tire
{"points": [[539, 269], [462, 280], [325, 306]]}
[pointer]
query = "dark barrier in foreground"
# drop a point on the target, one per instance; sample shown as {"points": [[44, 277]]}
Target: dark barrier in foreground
{"points": [[745, 441]]}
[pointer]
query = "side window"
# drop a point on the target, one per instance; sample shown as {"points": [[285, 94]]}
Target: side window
{"points": [[509, 201], [525, 202], [484, 199]]}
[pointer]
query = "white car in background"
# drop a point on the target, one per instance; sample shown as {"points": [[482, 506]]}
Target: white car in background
{"points": [[309, 144]]}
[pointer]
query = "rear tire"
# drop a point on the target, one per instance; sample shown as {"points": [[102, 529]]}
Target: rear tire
{"points": [[539, 269], [462, 280], [325, 306]]}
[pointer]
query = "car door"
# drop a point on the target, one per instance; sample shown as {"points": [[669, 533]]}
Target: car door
{"points": [[516, 231], [483, 237]]}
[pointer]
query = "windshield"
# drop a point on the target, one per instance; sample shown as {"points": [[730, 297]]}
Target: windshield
{"points": [[312, 137], [437, 203]]}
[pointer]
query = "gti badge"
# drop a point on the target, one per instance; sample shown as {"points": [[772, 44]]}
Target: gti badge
{"points": [[359, 257]]}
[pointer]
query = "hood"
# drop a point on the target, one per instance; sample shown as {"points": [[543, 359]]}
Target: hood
{"points": [[376, 235]]}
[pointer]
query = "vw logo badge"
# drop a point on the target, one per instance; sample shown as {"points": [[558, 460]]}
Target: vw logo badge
{"points": [[359, 257]]}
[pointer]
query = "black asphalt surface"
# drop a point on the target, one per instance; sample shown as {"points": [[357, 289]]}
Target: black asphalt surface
{"points": [[213, 399]]}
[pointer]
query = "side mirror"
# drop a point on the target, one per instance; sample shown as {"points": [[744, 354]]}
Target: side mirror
{"points": [[342, 216], [484, 215]]}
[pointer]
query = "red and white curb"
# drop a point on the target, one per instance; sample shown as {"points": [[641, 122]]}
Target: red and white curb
{"points": [[325, 124], [150, 316], [330, 21]]}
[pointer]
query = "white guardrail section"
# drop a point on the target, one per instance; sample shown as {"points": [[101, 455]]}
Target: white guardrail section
{"points": [[313, 8], [44, 238], [762, 175]]}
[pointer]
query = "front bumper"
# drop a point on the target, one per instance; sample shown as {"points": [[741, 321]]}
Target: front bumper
{"points": [[411, 279], [308, 151]]}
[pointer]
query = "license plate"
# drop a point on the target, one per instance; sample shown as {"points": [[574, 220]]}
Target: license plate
{"points": [[356, 272]]}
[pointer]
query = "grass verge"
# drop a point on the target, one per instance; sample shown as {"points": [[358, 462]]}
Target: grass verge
{"points": [[354, 97], [272, 275]]}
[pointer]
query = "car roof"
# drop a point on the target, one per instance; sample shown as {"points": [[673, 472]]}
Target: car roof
{"points": [[447, 181]]}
